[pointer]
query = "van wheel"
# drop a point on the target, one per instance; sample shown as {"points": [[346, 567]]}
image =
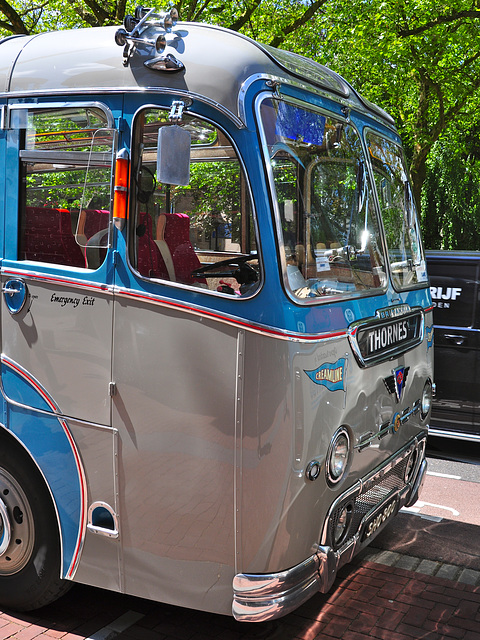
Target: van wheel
{"points": [[29, 539]]}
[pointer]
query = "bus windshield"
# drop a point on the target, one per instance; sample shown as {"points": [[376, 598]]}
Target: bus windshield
{"points": [[405, 252], [328, 227]]}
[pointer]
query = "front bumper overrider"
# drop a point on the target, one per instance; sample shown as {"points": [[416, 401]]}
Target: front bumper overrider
{"points": [[260, 597]]}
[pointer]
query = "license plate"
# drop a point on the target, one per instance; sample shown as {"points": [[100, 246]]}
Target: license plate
{"points": [[375, 521]]}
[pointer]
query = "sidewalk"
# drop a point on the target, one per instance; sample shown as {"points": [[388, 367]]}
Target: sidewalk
{"points": [[373, 600], [369, 600], [384, 594]]}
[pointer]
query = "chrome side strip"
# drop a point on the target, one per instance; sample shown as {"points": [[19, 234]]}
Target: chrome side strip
{"points": [[456, 435]]}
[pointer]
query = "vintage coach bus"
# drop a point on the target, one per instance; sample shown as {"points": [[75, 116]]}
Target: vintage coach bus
{"points": [[216, 349]]}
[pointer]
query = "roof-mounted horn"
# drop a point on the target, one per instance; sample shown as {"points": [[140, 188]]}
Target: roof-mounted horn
{"points": [[131, 36]]}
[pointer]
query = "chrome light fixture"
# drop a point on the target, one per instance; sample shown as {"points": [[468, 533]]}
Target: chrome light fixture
{"points": [[427, 397], [130, 37], [338, 456]]}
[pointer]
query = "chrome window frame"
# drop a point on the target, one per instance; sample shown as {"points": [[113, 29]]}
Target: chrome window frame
{"points": [[308, 302], [132, 203]]}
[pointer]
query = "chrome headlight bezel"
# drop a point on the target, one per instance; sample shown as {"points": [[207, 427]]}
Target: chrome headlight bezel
{"points": [[427, 400], [341, 526], [338, 456]]}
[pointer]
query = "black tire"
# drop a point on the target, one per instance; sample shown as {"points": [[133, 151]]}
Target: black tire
{"points": [[29, 539]]}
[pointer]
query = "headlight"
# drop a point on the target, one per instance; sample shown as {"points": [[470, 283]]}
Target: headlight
{"points": [[410, 466], [337, 457], [427, 397], [341, 524]]}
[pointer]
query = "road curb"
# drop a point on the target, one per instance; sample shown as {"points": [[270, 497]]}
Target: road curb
{"points": [[420, 565]]}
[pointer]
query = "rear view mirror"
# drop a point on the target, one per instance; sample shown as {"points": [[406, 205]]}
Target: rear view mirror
{"points": [[173, 155]]}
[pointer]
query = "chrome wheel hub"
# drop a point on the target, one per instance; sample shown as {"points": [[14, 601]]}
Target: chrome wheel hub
{"points": [[17, 532]]}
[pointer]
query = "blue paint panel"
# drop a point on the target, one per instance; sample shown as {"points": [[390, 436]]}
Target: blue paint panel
{"points": [[271, 306], [18, 389], [45, 438]]}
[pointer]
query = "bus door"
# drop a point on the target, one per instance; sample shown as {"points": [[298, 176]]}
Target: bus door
{"points": [[57, 304], [192, 264]]}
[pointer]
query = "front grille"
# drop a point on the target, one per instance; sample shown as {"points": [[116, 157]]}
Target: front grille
{"points": [[373, 493], [392, 481]]}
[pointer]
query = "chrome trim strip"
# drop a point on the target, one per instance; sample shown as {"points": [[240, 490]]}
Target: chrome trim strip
{"points": [[248, 325], [57, 279], [55, 409], [60, 105], [313, 90], [387, 428], [456, 435], [121, 91], [244, 323]]}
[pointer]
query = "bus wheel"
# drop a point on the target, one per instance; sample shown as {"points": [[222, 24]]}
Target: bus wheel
{"points": [[29, 539]]}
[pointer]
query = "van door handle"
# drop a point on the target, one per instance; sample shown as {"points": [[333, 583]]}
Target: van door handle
{"points": [[456, 339]]}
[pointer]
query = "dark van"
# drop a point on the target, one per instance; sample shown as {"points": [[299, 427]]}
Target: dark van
{"points": [[454, 280]]}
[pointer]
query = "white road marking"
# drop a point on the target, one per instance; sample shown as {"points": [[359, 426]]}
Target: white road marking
{"points": [[117, 626], [443, 475], [416, 512], [419, 504]]}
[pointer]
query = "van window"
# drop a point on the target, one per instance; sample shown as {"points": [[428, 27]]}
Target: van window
{"points": [[201, 234], [66, 174], [405, 252], [328, 228], [453, 292]]}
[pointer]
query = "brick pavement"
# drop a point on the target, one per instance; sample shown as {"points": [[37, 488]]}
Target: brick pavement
{"points": [[375, 597]]}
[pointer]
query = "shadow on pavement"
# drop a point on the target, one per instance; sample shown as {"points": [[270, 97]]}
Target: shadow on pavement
{"points": [[446, 541]]}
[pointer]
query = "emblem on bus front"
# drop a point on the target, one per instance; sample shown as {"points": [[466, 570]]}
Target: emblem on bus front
{"points": [[396, 382]]}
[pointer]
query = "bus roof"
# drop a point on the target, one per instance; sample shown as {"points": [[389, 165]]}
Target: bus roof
{"points": [[216, 64]]}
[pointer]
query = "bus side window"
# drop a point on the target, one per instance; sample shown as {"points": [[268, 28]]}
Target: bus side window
{"points": [[66, 174], [181, 232]]}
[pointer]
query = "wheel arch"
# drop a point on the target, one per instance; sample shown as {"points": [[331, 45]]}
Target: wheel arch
{"points": [[10, 439], [54, 464], [31, 550]]}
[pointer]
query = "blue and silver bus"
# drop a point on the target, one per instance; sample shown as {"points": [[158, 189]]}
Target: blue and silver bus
{"points": [[216, 325]]}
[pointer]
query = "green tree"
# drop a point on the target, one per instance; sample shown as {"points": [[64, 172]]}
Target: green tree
{"points": [[451, 196], [420, 60], [270, 19]]}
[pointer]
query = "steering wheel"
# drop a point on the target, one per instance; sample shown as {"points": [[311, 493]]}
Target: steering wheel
{"points": [[242, 272], [233, 261]]}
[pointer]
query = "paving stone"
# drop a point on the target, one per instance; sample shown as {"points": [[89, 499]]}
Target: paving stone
{"points": [[468, 576], [382, 596], [428, 567], [408, 562], [449, 572], [390, 558]]}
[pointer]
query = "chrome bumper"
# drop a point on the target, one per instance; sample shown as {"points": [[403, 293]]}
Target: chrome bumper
{"points": [[260, 597]]}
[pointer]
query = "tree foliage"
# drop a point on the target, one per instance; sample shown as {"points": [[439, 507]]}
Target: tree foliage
{"points": [[272, 19], [451, 196], [418, 59]]}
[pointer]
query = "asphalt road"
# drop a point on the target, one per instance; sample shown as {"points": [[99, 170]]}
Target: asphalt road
{"points": [[443, 523]]}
